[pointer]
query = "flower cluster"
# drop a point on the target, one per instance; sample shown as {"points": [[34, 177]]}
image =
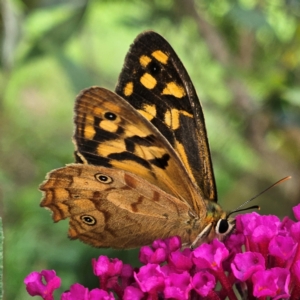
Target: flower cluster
{"points": [[260, 259]]}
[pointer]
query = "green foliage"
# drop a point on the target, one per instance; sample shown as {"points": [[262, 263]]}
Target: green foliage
{"points": [[1, 259], [243, 57]]}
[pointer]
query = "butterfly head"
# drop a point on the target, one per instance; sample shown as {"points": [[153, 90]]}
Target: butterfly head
{"points": [[218, 224]]}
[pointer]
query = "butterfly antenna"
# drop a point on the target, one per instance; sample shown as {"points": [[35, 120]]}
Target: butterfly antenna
{"points": [[238, 209]]}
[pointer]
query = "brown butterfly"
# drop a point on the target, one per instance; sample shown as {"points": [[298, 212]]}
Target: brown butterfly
{"points": [[143, 169]]}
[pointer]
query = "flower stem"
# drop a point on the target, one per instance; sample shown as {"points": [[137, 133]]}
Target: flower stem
{"points": [[226, 284]]}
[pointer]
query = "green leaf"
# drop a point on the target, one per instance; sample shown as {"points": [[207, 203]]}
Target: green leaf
{"points": [[1, 260]]}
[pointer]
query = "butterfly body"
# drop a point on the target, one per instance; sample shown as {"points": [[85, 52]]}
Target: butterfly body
{"points": [[143, 169]]}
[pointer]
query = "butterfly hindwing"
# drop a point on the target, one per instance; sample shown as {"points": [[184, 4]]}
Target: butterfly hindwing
{"points": [[113, 208], [155, 82]]}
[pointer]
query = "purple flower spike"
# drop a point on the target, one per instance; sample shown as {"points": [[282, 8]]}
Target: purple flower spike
{"points": [[133, 293], [105, 266], [296, 211], [261, 259], [296, 280], [145, 254], [296, 271], [126, 275], [285, 226], [173, 243], [170, 244], [267, 228], [36, 287], [79, 292], [282, 246], [295, 232], [98, 294], [235, 242], [247, 263], [210, 255], [264, 233], [148, 255], [264, 284], [150, 278], [258, 230], [181, 261], [76, 292], [283, 281], [177, 286], [273, 283], [108, 270], [248, 224], [159, 243], [203, 283]]}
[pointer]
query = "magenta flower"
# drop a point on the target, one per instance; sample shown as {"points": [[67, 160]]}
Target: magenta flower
{"points": [[108, 271], [36, 287], [295, 280], [283, 248], [177, 286], [79, 292], [159, 250], [152, 256], [272, 283], [99, 294], [264, 283], [247, 263], [203, 283], [295, 231], [150, 278], [170, 244], [296, 271], [126, 276], [181, 261], [133, 293], [285, 226], [235, 242], [104, 266], [261, 259], [210, 255], [258, 227], [296, 211]]}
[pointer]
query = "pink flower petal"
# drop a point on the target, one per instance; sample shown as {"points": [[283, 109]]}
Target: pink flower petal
{"points": [[210, 255], [36, 287], [296, 211], [203, 282], [247, 263]]}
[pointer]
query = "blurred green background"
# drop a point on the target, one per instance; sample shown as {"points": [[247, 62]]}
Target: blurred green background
{"points": [[243, 57]]}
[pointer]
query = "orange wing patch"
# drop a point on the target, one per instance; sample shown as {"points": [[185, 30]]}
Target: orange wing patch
{"points": [[128, 89], [145, 60], [160, 56], [148, 81], [174, 89]]}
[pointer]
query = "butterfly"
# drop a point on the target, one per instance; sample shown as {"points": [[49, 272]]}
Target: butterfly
{"points": [[143, 168]]}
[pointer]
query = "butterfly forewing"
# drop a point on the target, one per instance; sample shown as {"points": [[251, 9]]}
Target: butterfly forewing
{"points": [[109, 132], [154, 81]]}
